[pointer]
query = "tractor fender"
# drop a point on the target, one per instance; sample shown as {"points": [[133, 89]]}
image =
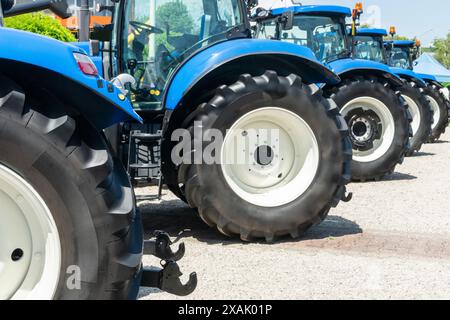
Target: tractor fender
{"points": [[349, 67], [210, 60], [410, 76], [39, 61], [430, 79]]}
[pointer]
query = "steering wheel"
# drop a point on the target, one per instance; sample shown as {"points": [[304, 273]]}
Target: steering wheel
{"points": [[139, 26]]}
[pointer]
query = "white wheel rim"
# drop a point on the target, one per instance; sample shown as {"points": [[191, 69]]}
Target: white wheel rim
{"points": [[414, 111], [26, 227], [436, 111], [382, 145], [294, 163]]}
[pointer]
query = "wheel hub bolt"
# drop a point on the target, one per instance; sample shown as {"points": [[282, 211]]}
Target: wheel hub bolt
{"points": [[17, 254]]}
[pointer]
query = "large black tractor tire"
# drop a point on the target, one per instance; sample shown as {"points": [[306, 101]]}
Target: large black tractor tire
{"points": [[219, 205], [420, 112], [88, 195], [439, 107], [366, 126]]}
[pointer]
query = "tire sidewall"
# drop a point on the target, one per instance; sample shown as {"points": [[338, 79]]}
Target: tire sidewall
{"points": [[424, 130], [79, 206], [375, 89], [52, 176], [444, 119], [324, 185]]}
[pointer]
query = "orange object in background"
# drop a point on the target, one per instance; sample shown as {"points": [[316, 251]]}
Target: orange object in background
{"points": [[392, 31], [359, 6], [72, 22]]}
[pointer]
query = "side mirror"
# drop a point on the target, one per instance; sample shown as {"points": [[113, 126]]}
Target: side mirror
{"points": [[7, 4], [287, 20], [58, 7], [102, 32]]}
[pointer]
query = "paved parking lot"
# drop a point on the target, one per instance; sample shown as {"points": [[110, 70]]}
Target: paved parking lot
{"points": [[392, 241]]}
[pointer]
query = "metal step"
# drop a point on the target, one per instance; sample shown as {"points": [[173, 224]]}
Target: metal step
{"points": [[146, 137], [138, 166], [144, 158], [147, 198]]}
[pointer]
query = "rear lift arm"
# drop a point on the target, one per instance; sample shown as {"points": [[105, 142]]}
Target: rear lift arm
{"points": [[166, 278]]}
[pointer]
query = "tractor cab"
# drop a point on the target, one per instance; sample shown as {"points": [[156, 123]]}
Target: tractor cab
{"points": [[324, 30], [152, 38], [401, 53], [369, 45], [320, 28]]}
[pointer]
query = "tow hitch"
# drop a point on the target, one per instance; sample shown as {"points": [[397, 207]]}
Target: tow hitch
{"points": [[166, 278], [160, 247]]}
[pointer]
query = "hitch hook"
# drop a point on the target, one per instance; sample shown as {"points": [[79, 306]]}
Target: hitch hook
{"points": [[160, 247], [168, 279], [348, 197]]}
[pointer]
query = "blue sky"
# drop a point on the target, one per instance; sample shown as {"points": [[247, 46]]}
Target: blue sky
{"points": [[427, 20]]}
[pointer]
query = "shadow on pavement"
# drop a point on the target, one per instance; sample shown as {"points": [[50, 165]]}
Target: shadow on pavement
{"points": [[422, 154], [333, 227], [441, 142], [397, 176], [179, 221]]}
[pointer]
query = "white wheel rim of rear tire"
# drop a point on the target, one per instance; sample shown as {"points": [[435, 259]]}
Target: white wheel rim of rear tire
{"points": [[414, 111], [436, 111], [27, 226], [295, 160], [382, 145]]}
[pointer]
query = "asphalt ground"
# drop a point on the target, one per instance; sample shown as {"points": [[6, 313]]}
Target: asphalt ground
{"points": [[392, 241]]}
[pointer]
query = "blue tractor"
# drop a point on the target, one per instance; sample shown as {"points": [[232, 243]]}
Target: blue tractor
{"points": [[401, 54], [202, 85], [369, 45], [368, 95], [69, 226]]}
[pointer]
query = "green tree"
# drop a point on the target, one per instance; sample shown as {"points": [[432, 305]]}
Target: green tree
{"points": [[442, 50], [40, 24], [396, 37], [428, 50], [176, 15]]}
